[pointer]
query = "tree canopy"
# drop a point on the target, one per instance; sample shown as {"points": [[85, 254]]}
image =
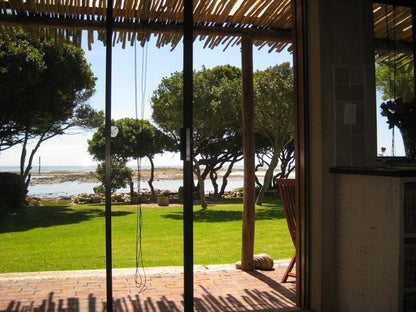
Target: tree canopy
{"points": [[217, 116], [394, 81], [274, 120], [44, 88], [135, 139], [21, 67]]}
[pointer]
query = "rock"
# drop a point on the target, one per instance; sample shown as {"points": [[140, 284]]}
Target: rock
{"points": [[85, 198], [143, 198], [261, 262], [163, 200]]}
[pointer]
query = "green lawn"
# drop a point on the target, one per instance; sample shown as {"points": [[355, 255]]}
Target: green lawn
{"points": [[65, 236]]}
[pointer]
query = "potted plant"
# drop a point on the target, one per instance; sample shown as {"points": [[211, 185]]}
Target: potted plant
{"points": [[402, 114], [163, 199]]}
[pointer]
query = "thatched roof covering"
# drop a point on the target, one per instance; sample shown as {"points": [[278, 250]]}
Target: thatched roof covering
{"points": [[217, 22], [393, 33]]}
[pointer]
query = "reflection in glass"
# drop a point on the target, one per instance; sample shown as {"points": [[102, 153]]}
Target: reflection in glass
{"points": [[394, 64]]}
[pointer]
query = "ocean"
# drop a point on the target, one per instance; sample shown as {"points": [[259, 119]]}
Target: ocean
{"points": [[75, 188], [64, 168]]}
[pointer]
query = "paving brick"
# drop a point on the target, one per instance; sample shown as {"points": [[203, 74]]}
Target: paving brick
{"points": [[217, 288]]}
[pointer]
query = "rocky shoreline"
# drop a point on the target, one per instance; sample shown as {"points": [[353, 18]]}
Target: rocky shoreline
{"points": [[46, 178], [53, 177], [163, 198]]}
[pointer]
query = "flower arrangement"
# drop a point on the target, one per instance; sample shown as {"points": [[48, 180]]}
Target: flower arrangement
{"points": [[399, 114], [402, 115]]}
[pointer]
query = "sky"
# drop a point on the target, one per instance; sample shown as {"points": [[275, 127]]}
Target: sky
{"points": [[71, 149], [152, 64]]}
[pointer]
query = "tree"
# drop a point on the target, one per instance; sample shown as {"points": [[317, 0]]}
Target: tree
{"points": [[21, 66], [395, 80], [135, 139], [274, 119], [217, 118], [51, 98], [121, 175]]}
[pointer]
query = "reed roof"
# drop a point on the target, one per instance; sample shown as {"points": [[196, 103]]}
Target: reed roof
{"points": [[216, 22], [393, 33]]}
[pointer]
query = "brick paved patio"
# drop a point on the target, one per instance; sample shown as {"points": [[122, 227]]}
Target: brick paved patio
{"points": [[217, 288]]}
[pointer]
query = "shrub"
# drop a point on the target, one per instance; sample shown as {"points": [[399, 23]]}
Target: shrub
{"points": [[12, 192], [121, 175], [100, 189]]}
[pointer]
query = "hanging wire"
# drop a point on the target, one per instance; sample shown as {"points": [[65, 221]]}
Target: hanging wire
{"points": [[140, 277], [135, 80], [144, 77], [391, 62], [394, 73]]}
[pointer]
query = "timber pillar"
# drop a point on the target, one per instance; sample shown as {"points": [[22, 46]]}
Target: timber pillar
{"points": [[249, 155]]}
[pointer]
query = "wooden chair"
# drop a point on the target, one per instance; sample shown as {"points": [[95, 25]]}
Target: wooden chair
{"points": [[287, 194]]}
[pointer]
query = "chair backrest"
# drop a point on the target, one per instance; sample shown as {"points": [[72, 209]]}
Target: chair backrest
{"points": [[287, 194]]}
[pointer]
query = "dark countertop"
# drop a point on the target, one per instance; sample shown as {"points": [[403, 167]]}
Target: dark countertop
{"points": [[378, 171]]}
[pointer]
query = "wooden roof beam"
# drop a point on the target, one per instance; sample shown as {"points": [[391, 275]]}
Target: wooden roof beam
{"points": [[284, 35], [393, 46]]}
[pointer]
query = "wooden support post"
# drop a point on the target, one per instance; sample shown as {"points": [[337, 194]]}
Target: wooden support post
{"points": [[414, 49], [187, 157], [108, 225], [302, 151], [249, 155]]}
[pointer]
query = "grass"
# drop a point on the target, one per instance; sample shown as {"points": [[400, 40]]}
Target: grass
{"points": [[65, 236]]}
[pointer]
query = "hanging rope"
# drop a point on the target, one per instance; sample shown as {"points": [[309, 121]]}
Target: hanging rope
{"points": [[144, 77], [140, 274], [394, 73], [391, 63]]}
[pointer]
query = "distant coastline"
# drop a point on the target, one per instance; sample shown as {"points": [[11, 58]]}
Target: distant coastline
{"points": [[56, 181], [91, 168]]}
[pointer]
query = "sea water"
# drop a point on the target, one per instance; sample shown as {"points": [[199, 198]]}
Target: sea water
{"points": [[49, 168], [74, 187]]}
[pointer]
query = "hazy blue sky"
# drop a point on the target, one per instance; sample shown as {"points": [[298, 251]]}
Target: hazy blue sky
{"points": [[72, 149]]}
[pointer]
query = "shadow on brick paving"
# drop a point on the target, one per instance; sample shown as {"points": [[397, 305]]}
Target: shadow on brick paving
{"points": [[251, 300]]}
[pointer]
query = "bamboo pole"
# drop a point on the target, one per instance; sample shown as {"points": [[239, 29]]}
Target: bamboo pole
{"points": [[249, 156]]}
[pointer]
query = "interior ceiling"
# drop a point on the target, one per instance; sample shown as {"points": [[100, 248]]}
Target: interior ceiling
{"points": [[216, 22]]}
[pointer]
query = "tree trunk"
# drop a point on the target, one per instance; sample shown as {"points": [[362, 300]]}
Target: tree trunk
{"points": [[213, 176], [225, 179], [132, 192], [25, 169], [23, 159], [267, 178], [152, 176], [201, 185]]}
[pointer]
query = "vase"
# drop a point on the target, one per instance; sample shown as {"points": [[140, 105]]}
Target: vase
{"points": [[409, 142]]}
